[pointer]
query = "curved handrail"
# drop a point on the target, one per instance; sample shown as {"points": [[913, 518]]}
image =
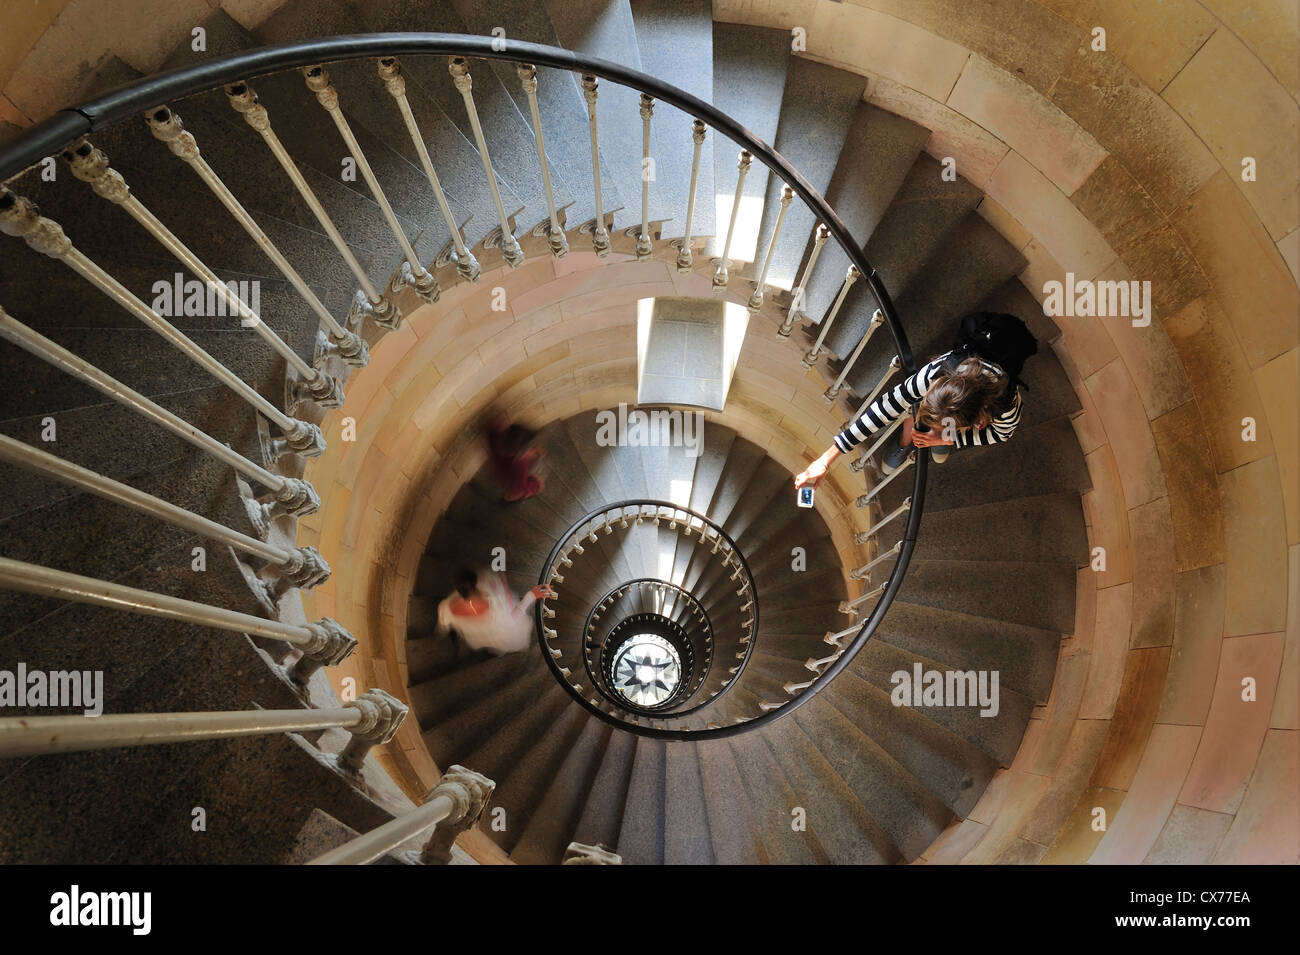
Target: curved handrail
{"points": [[65, 127], [708, 624], [134, 99], [541, 623]]}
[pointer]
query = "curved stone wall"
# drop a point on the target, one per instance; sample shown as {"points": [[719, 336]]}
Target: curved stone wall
{"points": [[563, 341]]}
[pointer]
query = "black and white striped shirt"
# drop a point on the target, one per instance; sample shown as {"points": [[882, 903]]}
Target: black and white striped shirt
{"points": [[894, 403]]}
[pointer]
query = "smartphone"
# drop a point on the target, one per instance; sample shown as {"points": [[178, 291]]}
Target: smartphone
{"points": [[804, 496]]}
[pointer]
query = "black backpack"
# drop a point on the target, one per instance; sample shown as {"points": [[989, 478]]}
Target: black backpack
{"points": [[999, 338]]}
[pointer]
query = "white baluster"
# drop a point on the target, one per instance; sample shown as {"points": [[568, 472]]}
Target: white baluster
{"points": [[685, 254], [510, 249], [323, 642], [292, 496], [863, 500], [723, 275], [555, 238], [864, 536], [43, 735], [797, 297], [91, 166], [297, 567], [244, 100], [453, 806], [390, 71], [865, 570], [833, 391], [19, 217], [850, 277], [413, 274], [851, 607], [600, 235], [756, 300], [643, 246]]}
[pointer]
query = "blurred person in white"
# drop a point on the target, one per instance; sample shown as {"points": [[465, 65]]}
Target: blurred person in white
{"points": [[483, 611]]}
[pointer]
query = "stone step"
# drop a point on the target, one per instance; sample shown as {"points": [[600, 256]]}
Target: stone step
{"points": [[1040, 459], [734, 837], [996, 735], [602, 809], [974, 261], [675, 41], [310, 136], [909, 815], [840, 823], [817, 110], [84, 534], [686, 817], [775, 804], [916, 225], [605, 29], [551, 825], [559, 99], [1048, 528], [952, 769], [525, 783], [749, 73], [641, 833], [108, 438], [443, 702], [878, 150], [1024, 656], [996, 589]]}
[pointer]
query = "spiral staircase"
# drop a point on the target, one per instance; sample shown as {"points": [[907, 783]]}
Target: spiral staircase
{"points": [[779, 742]]}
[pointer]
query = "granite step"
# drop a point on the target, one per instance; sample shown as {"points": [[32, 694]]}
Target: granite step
{"points": [[775, 804], [525, 783], [974, 262], [559, 99], [909, 815], [749, 73], [916, 225], [557, 815], [605, 29], [641, 833], [817, 110], [732, 831], [1048, 529], [686, 819], [951, 768], [997, 735], [839, 821], [675, 41], [879, 148], [602, 812], [1024, 656], [996, 589]]}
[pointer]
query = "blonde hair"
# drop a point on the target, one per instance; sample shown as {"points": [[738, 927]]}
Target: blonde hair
{"points": [[968, 396]]}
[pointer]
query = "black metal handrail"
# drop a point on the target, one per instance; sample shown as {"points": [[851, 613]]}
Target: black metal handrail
{"points": [[135, 99], [549, 563], [680, 591]]}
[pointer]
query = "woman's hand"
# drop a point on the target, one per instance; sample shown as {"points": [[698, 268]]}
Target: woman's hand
{"points": [[929, 439], [813, 474], [542, 591]]}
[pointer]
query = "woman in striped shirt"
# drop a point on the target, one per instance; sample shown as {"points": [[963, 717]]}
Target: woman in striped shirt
{"points": [[961, 401]]}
